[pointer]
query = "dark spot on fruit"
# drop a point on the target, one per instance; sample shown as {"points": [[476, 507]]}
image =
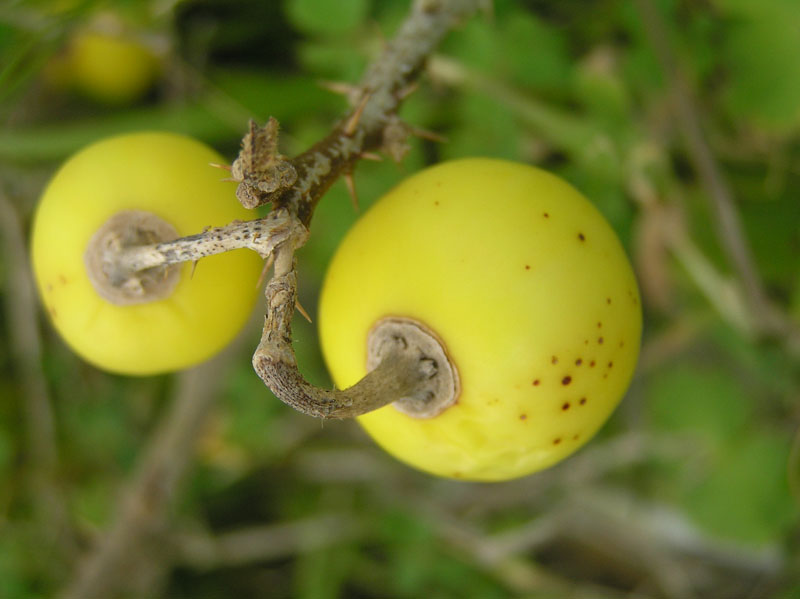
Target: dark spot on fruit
{"points": [[591, 364], [578, 362], [557, 440], [622, 344], [582, 401], [527, 267], [608, 301], [581, 236], [546, 215], [576, 436], [523, 416], [62, 279], [554, 360], [536, 382], [436, 203], [611, 364], [566, 380], [599, 325], [605, 376], [600, 340], [565, 406]]}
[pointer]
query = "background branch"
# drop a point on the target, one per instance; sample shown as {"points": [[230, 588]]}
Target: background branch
{"points": [[765, 316], [26, 351], [144, 505]]}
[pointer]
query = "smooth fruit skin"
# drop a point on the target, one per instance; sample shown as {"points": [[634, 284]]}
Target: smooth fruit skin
{"points": [[529, 289], [169, 175]]}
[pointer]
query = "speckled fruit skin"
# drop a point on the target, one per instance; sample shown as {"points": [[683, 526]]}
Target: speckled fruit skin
{"points": [[529, 289], [170, 176]]}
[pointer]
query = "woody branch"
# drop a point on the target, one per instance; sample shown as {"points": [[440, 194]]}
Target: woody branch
{"points": [[294, 186]]}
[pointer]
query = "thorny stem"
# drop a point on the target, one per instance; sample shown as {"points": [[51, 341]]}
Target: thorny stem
{"points": [[372, 124], [294, 187], [398, 376], [261, 235]]}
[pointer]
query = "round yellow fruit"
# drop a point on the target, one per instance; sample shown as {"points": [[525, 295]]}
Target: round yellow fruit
{"points": [[112, 68], [529, 291], [169, 176]]}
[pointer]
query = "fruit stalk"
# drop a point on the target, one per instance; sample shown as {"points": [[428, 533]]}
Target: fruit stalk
{"points": [[401, 374], [261, 235]]}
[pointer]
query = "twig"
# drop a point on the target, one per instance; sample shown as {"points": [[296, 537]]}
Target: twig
{"points": [[399, 375], [26, 350], [767, 318], [294, 187], [372, 124], [260, 235], [268, 542], [144, 505]]}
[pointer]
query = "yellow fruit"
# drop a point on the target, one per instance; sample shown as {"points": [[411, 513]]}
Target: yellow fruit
{"points": [[112, 69], [167, 175], [529, 291]]}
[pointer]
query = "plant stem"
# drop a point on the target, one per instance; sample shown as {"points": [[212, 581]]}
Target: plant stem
{"points": [[294, 187], [261, 235], [400, 375], [730, 232]]}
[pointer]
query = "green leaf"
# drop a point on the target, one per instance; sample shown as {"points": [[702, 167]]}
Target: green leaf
{"points": [[709, 404], [337, 61], [547, 65], [745, 496], [764, 72], [326, 16], [493, 131]]}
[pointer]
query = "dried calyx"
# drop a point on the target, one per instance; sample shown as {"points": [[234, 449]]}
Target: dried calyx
{"points": [[441, 388], [121, 286]]}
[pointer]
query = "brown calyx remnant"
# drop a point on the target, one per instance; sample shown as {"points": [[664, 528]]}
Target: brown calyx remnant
{"points": [[441, 388], [119, 285]]}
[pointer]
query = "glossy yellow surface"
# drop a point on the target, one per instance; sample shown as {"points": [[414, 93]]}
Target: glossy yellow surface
{"points": [[531, 292], [168, 175], [112, 69]]}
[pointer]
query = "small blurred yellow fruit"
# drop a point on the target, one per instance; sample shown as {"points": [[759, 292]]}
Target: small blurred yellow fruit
{"points": [[531, 294], [112, 68], [169, 176]]}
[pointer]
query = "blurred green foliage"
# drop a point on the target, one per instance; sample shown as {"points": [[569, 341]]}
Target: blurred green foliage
{"points": [[707, 430]]}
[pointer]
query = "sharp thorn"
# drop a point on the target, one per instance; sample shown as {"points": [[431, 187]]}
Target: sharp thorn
{"points": [[338, 87], [403, 93], [352, 122], [350, 182], [430, 135], [194, 267], [267, 265], [302, 310], [224, 167]]}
